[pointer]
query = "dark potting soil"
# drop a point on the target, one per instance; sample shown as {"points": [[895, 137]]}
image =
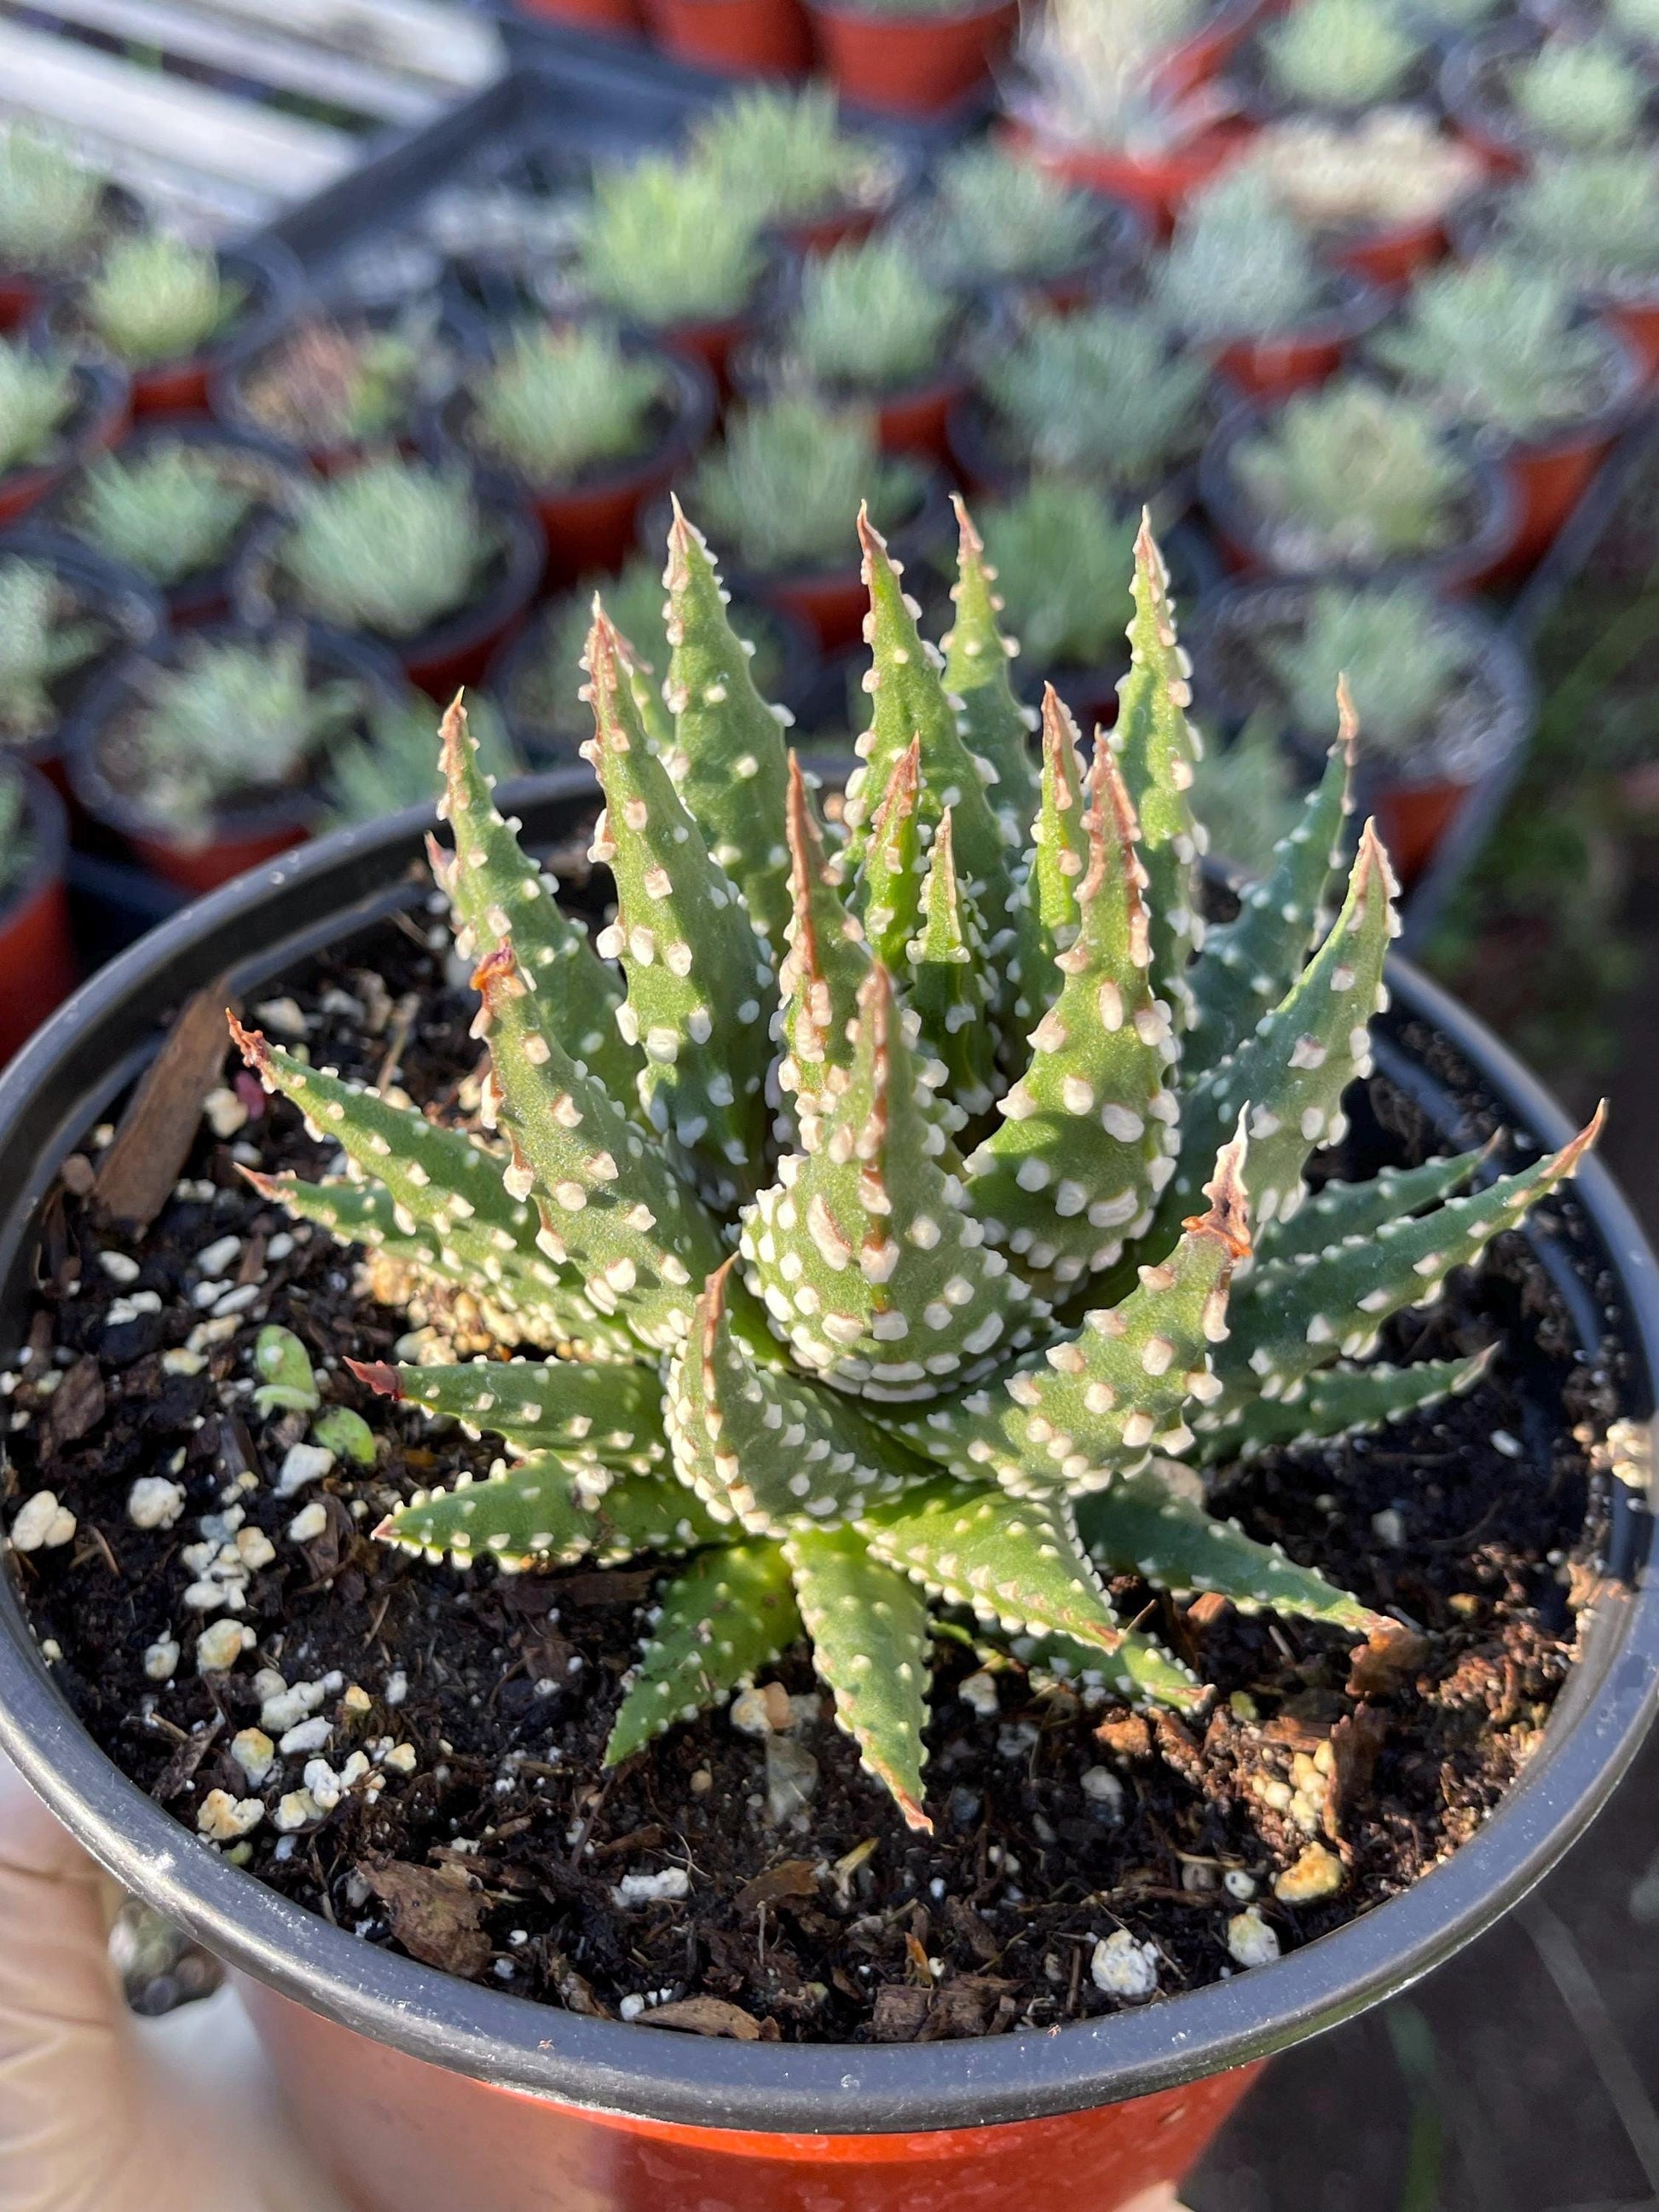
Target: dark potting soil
{"points": [[491, 1842]]}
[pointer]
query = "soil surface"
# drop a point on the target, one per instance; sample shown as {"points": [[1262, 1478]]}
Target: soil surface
{"points": [[459, 1806]]}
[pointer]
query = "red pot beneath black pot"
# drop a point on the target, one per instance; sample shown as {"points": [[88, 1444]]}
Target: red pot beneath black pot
{"points": [[24, 292], [905, 65], [98, 421], [240, 837], [37, 952], [1296, 360]]}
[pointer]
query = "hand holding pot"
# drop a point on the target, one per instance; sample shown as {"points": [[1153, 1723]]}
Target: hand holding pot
{"points": [[103, 2112]]}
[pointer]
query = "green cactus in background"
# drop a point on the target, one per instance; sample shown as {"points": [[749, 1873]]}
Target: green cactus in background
{"points": [[1591, 219], [560, 400], [663, 242], [871, 318], [905, 1331], [45, 635], [173, 511], [37, 394], [1581, 95], [1103, 394], [1353, 473], [1342, 53], [1239, 264], [782, 152], [156, 299], [49, 202]]}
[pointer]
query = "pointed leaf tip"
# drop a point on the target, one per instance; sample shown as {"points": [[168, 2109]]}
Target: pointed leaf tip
{"points": [[250, 1043], [1347, 721], [1229, 1213], [378, 1375]]}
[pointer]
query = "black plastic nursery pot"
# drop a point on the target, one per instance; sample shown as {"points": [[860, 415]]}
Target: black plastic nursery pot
{"points": [[269, 470], [113, 595], [242, 835], [1258, 545], [426, 2092], [456, 648], [102, 405], [270, 279], [1417, 800]]}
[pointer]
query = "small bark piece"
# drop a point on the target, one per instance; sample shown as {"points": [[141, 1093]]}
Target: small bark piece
{"points": [[704, 2015], [1387, 1654], [793, 1878], [435, 1918], [77, 1403], [1355, 1743], [899, 2012], [1127, 1733], [137, 1174]]}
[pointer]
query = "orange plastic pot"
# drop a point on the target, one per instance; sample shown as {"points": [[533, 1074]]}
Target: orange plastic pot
{"points": [[37, 952], [709, 344], [916, 423], [1637, 322], [1156, 184], [396, 2133], [1413, 818], [768, 37], [911, 64]]}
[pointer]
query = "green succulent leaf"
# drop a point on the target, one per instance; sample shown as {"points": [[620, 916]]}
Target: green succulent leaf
{"points": [[995, 725], [1140, 1670], [1292, 1316], [1292, 1070], [700, 986], [887, 889], [546, 1510], [1015, 1561], [1336, 1401], [1142, 1526], [731, 1612], [729, 759], [1076, 1415], [826, 963], [1251, 962], [1344, 1210], [1089, 1130], [1157, 749], [756, 1442], [869, 1634], [495, 891], [1046, 917], [950, 988], [864, 1253], [608, 1413], [610, 1207]]}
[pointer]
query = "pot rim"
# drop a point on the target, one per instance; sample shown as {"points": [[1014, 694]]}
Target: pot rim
{"points": [[274, 915], [1354, 305]]}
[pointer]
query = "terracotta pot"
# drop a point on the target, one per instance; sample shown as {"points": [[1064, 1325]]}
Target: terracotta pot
{"points": [[453, 651], [430, 2093], [708, 345], [1156, 184], [242, 837], [590, 522], [1270, 367], [101, 414], [616, 19], [1248, 540], [1392, 256], [768, 37], [37, 953], [911, 64], [272, 280]]}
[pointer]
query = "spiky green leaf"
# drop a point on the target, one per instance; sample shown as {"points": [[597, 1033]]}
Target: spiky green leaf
{"points": [[950, 988], [1140, 1670], [1015, 1561], [1335, 1401], [886, 893], [731, 1612], [827, 960], [610, 1413], [1343, 1209], [995, 725], [545, 1510]]}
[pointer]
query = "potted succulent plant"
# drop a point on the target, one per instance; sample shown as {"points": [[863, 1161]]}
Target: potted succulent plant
{"points": [[35, 944], [1503, 349], [386, 768], [168, 311], [340, 381], [205, 756], [666, 248], [911, 56], [787, 156], [1377, 190], [55, 212], [587, 427], [1356, 479], [407, 553], [1105, 394], [776, 489], [1097, 99], [1335, 56], [993, 224], [177, 505], [1517, 94], [1241, 281], [1442, 696], [1592, 220], [537, 680], [847, 1524], [868, 326], [62, 607], [54, 412]]}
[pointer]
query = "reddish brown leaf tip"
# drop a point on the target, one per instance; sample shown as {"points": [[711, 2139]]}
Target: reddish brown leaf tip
{"points": [[1229, 1214], [250, 1043], [379, 1374]]}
